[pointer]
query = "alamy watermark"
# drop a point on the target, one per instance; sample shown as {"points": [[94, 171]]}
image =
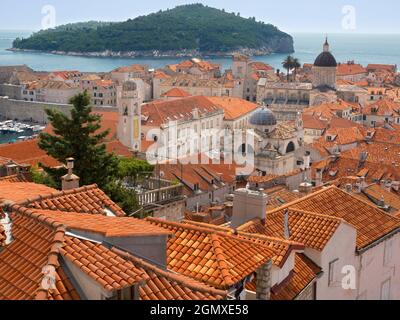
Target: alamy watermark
{"points": [[175, 145], [349, 20], [49, 17]]}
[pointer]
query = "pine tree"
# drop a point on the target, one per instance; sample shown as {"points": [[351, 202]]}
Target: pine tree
{"points": [[79, 136]]}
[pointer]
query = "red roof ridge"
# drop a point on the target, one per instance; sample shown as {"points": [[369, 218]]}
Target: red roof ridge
{"points": [[204, 229], [58, 241], [273, 239], [32, 213], [369, 204], [58, 194], [187, 282], [221, 262], [207, 225], [289, 204], [327, 217]]}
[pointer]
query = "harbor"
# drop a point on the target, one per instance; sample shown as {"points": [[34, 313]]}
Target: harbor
{"points": [[14, 131]]}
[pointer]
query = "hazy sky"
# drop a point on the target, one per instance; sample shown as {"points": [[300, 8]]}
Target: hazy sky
{"points": [[362, 16]]}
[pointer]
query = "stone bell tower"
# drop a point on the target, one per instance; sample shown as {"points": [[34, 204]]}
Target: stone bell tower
{"points": [[129, 117]]}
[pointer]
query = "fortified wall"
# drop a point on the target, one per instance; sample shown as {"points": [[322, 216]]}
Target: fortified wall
{"points": [[20, 110]]}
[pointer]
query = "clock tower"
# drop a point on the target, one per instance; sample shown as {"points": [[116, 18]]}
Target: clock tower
{"points": [[129, 117]]}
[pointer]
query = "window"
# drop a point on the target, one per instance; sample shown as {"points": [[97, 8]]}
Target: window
{"points": [[385, 290], [332, 271]]}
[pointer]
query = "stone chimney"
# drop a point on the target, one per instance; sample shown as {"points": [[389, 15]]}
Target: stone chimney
{"points": [[306, 187], [263, 288], [248, 205], [286, 225], [318, 178], [70, 181]]}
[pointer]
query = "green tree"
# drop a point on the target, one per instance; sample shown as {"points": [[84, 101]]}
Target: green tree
{"points": [[134, 170], [79, 136], [41, 177], [288, 64], [124, 197], [296, 66]]}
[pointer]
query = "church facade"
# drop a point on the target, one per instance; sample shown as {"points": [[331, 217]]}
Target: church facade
{"points": [[287, 99]]}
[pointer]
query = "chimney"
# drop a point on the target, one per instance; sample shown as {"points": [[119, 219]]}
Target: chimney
{"points": [[286, 225], [248, 205], [349, 188], [70, 181], [306, 187], [318, 178], [263, 289]]}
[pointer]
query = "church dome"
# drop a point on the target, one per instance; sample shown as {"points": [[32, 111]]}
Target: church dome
{"points": [[325, 59], [263, 117]]}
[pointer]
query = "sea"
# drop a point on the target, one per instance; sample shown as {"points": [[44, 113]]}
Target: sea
{"points": [[361, 48]]}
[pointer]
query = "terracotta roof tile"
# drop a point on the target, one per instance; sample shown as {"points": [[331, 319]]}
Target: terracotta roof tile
{"points": [[107, 226], [92, 259], [14, 178], [180, 109], [176, 93], [2, 236], [165, 285], [234, 108], [345, 69], [376, 192], [371, 223], [304, 273], [36, 244], [27, 152], [312, 230], [88, 199], [19, 191], [215, 258]]}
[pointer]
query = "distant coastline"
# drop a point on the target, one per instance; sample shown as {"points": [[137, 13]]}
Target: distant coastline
{"points": [[156, 53]]}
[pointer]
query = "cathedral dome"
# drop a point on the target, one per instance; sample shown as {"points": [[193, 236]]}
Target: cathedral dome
{"points": [[263, 117], [326, 58]]}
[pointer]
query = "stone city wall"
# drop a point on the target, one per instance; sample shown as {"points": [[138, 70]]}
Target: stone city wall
{"points": [[20, 110]]}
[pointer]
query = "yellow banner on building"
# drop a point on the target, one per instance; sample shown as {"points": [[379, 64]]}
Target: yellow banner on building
{"points": [[136, 128]]}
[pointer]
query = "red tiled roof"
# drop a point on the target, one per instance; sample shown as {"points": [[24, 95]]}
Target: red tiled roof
{"points": [[376, 192], [2, 236], [27, 152], [165, 285], [234, 108], [383, 107], [36, 244], [101, 264], [312, 230], [371, 223], [176, 93], [87, 199], [311, 121], [216, 258], [164, 111], [106, 226], [304, 273], [20, 191], [345, 69], [14, 178]]}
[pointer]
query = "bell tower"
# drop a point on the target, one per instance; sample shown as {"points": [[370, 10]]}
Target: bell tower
{"points": [[129, 117]]}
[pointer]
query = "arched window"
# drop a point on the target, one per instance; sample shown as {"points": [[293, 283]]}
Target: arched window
{"points": [[291, 147]]}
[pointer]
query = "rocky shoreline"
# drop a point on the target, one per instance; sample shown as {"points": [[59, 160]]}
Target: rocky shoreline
{"points": [[158, 54]]}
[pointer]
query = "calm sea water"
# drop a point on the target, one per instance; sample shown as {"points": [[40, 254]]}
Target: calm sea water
{"points": [[362, 48]]}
